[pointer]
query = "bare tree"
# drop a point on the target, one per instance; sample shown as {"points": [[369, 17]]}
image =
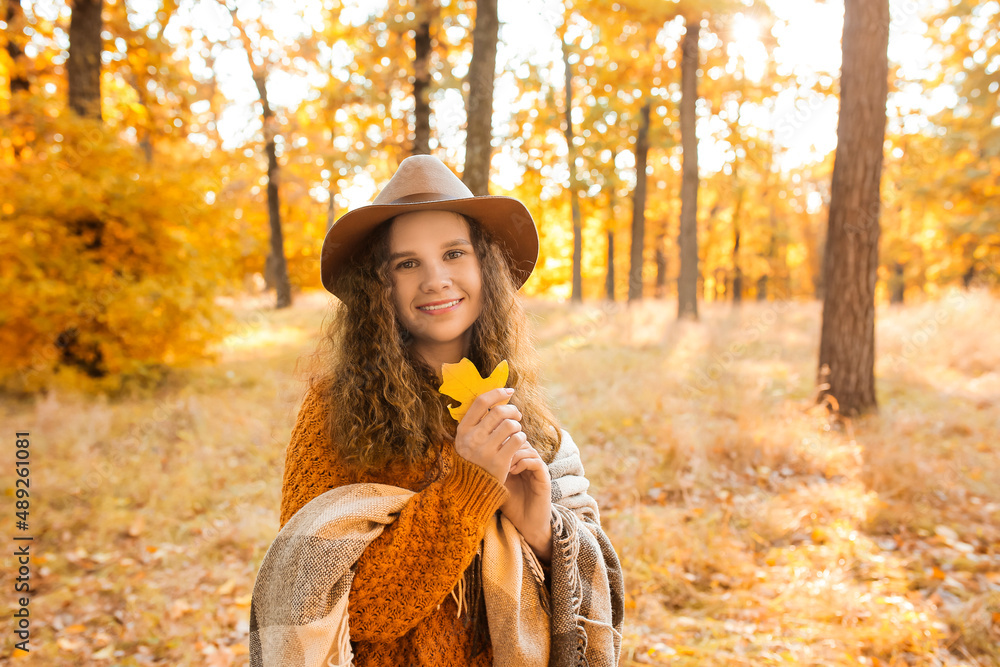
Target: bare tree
{"points": [[687, 282], [83, 67], [276, 266], [482, 72], [847, 344], [574, 183], [423, 46], [639, 206], [14, 19]]}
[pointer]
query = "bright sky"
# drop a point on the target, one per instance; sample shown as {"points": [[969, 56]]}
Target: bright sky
{"points": [[808, 33]]}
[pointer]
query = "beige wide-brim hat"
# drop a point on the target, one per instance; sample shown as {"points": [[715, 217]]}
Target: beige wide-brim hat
{"points": [[423, 182]]}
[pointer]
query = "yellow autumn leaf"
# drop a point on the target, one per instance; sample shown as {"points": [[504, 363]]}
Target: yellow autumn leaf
{"points": [[463, 383], [106, 653]]}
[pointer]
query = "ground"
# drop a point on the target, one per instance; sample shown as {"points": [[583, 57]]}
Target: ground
{"points": [[752, 528]]}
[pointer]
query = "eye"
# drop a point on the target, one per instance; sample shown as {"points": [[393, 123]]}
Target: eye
{"points": [[404, 263], [454, 254]]}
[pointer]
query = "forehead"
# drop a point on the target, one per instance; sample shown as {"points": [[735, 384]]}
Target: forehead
{"points": [[426, 227]]}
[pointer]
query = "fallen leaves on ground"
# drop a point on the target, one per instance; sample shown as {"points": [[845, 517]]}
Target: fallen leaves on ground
{"points": [[752, 529]]}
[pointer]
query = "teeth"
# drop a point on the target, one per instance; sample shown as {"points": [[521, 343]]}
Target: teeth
{"points": [[443, 305]]}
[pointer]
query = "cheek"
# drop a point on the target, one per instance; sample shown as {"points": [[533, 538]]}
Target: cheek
{"points": [[399, 298], [475, 289], [473, 279]]}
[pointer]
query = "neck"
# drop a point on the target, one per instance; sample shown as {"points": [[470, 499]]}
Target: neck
{"points": [[436, 354]]}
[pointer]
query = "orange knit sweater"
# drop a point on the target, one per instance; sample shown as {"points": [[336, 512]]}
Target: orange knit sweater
{"points": [[399, 608]]}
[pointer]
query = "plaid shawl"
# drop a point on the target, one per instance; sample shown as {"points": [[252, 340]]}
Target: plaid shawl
{"points": [[298, 610]]}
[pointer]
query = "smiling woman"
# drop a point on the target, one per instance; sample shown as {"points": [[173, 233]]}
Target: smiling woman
{"points": [[432, 542], [436, 283]]}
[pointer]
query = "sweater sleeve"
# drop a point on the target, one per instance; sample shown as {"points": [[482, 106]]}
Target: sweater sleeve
{"points": [[309, 469], [410, 568]]}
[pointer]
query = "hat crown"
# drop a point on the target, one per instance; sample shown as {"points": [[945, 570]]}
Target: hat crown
{"points": [[422, 178]]}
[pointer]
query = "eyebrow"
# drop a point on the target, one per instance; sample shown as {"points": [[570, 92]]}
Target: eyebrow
{"points": [[408, 253]]}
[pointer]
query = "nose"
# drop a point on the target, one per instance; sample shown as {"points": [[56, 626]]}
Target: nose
{"points": [[436, 276]]}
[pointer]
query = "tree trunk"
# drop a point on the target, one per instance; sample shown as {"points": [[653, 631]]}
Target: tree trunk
{"points": [[269, 276], [847, 342], [768, 199], [762, 288], [14, 18], [819, 277], [968, 276], [331, 207], [609, 277], [897, 283], [687, 282], [479, 124], [83, 71], [421, 89], [661, 265], [574, 185], [968, 254], [83, 67], [737, 272], [280, 268], [772, 261], [15, 36], [639, 206]]}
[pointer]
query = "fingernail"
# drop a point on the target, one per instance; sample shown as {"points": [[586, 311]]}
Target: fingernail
{"points": [[509, 390]]}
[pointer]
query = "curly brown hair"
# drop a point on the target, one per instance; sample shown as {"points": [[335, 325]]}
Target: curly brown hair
{"points": [[383, 399]]}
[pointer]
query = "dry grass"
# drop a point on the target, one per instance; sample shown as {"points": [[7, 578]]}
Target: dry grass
{"points": [[752, 530]]}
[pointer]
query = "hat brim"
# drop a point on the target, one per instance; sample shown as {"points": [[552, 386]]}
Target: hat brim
{"points": [[505, 217]]}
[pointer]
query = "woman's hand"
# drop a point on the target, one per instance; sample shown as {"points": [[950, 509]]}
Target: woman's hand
{"points": [[490, 433], [529, 507]]}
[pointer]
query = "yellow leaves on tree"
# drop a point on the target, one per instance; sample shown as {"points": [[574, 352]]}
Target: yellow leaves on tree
{"points": [[463, 383], [110, 264]]}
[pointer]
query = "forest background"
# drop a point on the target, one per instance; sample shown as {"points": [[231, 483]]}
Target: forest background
{"points": [[169, 171]]}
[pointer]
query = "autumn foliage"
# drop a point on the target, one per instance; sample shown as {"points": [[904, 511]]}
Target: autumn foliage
{"points": [[752, 527], [116, 238], [110, 263]]}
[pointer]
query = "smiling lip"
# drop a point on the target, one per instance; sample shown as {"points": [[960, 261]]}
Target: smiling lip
{"points": [[438, 307]]}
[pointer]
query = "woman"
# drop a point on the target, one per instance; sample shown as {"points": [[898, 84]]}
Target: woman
{"points": [[428, 274]]}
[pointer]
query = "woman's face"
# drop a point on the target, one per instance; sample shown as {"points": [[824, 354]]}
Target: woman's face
{"points": [[437, 283]]}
